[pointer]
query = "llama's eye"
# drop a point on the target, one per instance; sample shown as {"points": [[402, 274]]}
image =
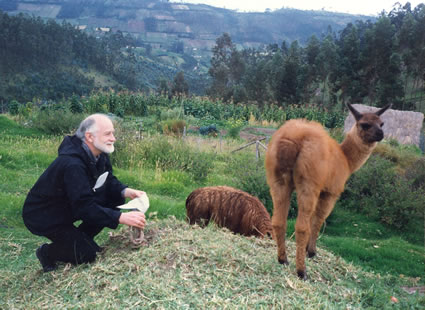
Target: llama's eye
{"points": [[365, 126], [382, 124]]}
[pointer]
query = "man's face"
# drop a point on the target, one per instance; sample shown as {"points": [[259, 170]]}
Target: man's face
{"points": [[103, 139]]}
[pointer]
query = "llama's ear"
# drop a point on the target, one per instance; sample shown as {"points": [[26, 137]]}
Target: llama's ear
{"points": [[379, 112], [357, 115]]}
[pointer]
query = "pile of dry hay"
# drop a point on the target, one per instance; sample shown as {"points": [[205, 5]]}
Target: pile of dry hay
{"points": [[181, 266]]}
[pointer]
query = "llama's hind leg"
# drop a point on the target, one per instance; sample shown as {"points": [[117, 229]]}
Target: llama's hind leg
{"points": [[307, 200], [281, 195], [324, 207]]}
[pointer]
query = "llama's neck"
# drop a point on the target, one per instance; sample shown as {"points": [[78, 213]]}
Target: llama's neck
{"points": [[355, 150]]}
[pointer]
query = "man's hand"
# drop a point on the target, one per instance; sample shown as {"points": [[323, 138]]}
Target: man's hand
{"points": [[133, 218], [133, 193]]}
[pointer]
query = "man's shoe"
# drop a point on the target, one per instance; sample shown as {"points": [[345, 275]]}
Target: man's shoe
{"points": [[44, 260]]}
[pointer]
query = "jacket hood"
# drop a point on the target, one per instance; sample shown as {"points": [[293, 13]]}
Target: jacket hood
{"points": [[71, 145]]}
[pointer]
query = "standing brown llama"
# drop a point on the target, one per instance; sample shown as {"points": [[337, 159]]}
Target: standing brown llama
{"points": [[228, 207], [302, 157]]}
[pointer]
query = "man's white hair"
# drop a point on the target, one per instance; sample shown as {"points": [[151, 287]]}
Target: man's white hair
{"points": [[89, 125]]}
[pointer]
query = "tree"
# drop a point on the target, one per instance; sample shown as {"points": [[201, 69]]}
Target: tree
{"points": [[327, 61], [312, 51], [405, 42], [382, 66], [346, 79], [289, 85], [227, 68], [256, 83], [418, 51], [389, 87], [275, 74], [180, 86], [76, 106], [163, 87]]}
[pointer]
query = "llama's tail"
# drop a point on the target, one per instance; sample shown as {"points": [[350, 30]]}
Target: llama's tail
{"points": [[287, 155]]}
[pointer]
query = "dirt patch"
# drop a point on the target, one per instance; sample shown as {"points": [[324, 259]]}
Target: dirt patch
{"points": [[255, 133]]}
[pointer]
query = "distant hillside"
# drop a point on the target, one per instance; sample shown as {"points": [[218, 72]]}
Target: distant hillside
{"points": [[162, 24], [166, 38], [49, 60]]}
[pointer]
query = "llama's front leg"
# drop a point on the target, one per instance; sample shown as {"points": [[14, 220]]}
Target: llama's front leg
{"points": [[281, 196], [324, 207], [306, 205]]}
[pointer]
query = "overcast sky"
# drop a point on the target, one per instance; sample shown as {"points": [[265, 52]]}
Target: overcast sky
{"points": [[366, 7]]}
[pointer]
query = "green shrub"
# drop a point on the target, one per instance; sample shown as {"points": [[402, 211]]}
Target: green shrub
{"points": [[173, 127], [203, 108], [162, 153], [119, 111], [416, 174], [176, 113], [403, 156], [393, 142], [252, 179], [14, 107], [234, 127], [24, 110], [96, 103], [76, 106], [378, 191], [56, 122], [330, 118], [337, 134]]}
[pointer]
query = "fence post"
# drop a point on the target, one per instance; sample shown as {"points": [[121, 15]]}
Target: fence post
{"points": [[140, 130], [257, 145]]}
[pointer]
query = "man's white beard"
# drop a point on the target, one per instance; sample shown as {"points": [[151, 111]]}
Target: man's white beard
{"points": [[105, 148]]}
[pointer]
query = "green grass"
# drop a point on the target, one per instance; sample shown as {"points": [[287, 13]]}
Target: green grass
{"points": [[369, 244], [372, 245], [9, 127], [385, 255], [360, 263]]}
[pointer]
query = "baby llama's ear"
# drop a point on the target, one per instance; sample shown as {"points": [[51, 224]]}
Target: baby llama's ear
{"points": [[379, 112], [357, 115]]}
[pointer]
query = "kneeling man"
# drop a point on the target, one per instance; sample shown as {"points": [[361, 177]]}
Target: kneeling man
{"points": [[79, 185]]}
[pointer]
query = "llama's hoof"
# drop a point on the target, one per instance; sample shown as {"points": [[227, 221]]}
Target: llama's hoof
{"points": [[302, 275], [311, 254], [283, 261]]}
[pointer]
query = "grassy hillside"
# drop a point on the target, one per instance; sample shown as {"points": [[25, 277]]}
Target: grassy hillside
{"points": [[360, 264]]}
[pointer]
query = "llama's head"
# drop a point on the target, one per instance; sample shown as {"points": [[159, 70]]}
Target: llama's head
{"points": [[369, 125], [267, 231]]}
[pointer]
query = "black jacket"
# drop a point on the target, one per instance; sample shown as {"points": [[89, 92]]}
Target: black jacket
{"points": [[64, 192]]}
